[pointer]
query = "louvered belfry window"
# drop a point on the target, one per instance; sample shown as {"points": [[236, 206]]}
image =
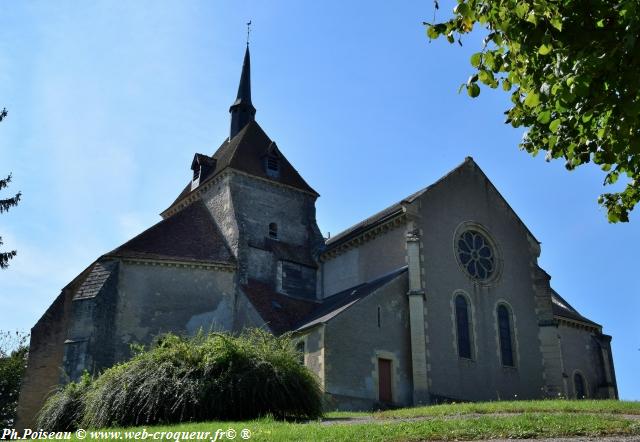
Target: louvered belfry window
{"points": [[273, 166]]}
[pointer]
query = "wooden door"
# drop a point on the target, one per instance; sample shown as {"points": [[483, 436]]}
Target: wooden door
{"points": [[384, 380]]}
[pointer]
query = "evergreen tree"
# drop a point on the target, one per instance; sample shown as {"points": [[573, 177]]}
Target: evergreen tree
{"points": [[5, 205]]}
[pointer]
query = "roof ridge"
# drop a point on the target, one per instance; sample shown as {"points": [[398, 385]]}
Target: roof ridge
{"points": [[243, 153], [337, 303], [187, 235], [408, 199]]}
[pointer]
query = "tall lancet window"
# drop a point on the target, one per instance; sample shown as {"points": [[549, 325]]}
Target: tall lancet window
{"points": [[505, 334], [578, 386], [462, 326]]}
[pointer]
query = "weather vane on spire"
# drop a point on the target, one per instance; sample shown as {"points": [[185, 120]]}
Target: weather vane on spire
{"points": [[248, 31]]}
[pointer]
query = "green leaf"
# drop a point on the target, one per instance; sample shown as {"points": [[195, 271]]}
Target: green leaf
{"points": [[544, 117], [532, 100], [462, 9], [489, 60], [473, 90], [506, 84], [432, 33], [476, 59], [545, 49], [560, 107], [555, 124], [486, 77], [556, 22], [522, 9]]}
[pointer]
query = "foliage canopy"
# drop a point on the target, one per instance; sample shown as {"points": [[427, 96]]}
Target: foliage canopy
{"points": [[572, 71]]}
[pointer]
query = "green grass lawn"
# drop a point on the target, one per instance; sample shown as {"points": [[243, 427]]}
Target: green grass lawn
{"points": [[468, 421]]}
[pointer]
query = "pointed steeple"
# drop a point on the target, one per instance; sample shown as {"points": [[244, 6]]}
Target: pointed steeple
{"points": [[242, 110]]}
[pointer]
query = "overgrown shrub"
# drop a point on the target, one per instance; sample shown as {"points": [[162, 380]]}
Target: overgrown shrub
{"points": [[13, 360], [215, 376], [64, 409]]}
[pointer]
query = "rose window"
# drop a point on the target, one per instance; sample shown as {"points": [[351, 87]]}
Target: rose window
{"points": [[476, 255]]}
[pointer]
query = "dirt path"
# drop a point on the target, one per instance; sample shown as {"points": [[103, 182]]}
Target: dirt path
{"points": [[371, 419], [574, 439]]}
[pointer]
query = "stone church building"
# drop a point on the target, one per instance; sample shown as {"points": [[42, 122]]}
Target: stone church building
{"points": [[437, 297]]}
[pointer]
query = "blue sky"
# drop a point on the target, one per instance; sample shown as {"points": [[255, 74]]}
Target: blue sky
{"points": [[108, 102]]}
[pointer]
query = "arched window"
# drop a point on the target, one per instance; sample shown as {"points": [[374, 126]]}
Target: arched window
{"points": [[506, 342], [273, 231], [462, 324], [578, 386]]}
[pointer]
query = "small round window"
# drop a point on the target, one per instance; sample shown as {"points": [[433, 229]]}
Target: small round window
{"points": [[476, 254]]}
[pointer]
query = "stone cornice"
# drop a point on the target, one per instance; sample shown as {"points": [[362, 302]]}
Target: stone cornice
{"points": [[225, 267], [365, 236], [577, 324], [275, 183], [210, 182], [194, 194]]}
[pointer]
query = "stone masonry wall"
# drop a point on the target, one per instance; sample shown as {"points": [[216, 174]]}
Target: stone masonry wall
{"points": [[352, 382], [44, 367], [382, 254], [466, 196], [256, 204], [155, 299]]}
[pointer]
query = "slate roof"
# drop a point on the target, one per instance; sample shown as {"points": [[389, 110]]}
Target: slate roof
{"points": [[563, 309], [189, 235], [280, 312], [245, 152], [203, 159], [336, 304], [383, 215], [95, 280], [395, 209]]}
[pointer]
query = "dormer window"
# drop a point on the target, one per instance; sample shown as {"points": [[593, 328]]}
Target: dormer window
{"points": [[195, 182], [273, 231], [202, 165]]}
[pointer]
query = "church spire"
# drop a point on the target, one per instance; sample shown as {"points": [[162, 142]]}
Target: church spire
{"points": [[242, 110]]}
